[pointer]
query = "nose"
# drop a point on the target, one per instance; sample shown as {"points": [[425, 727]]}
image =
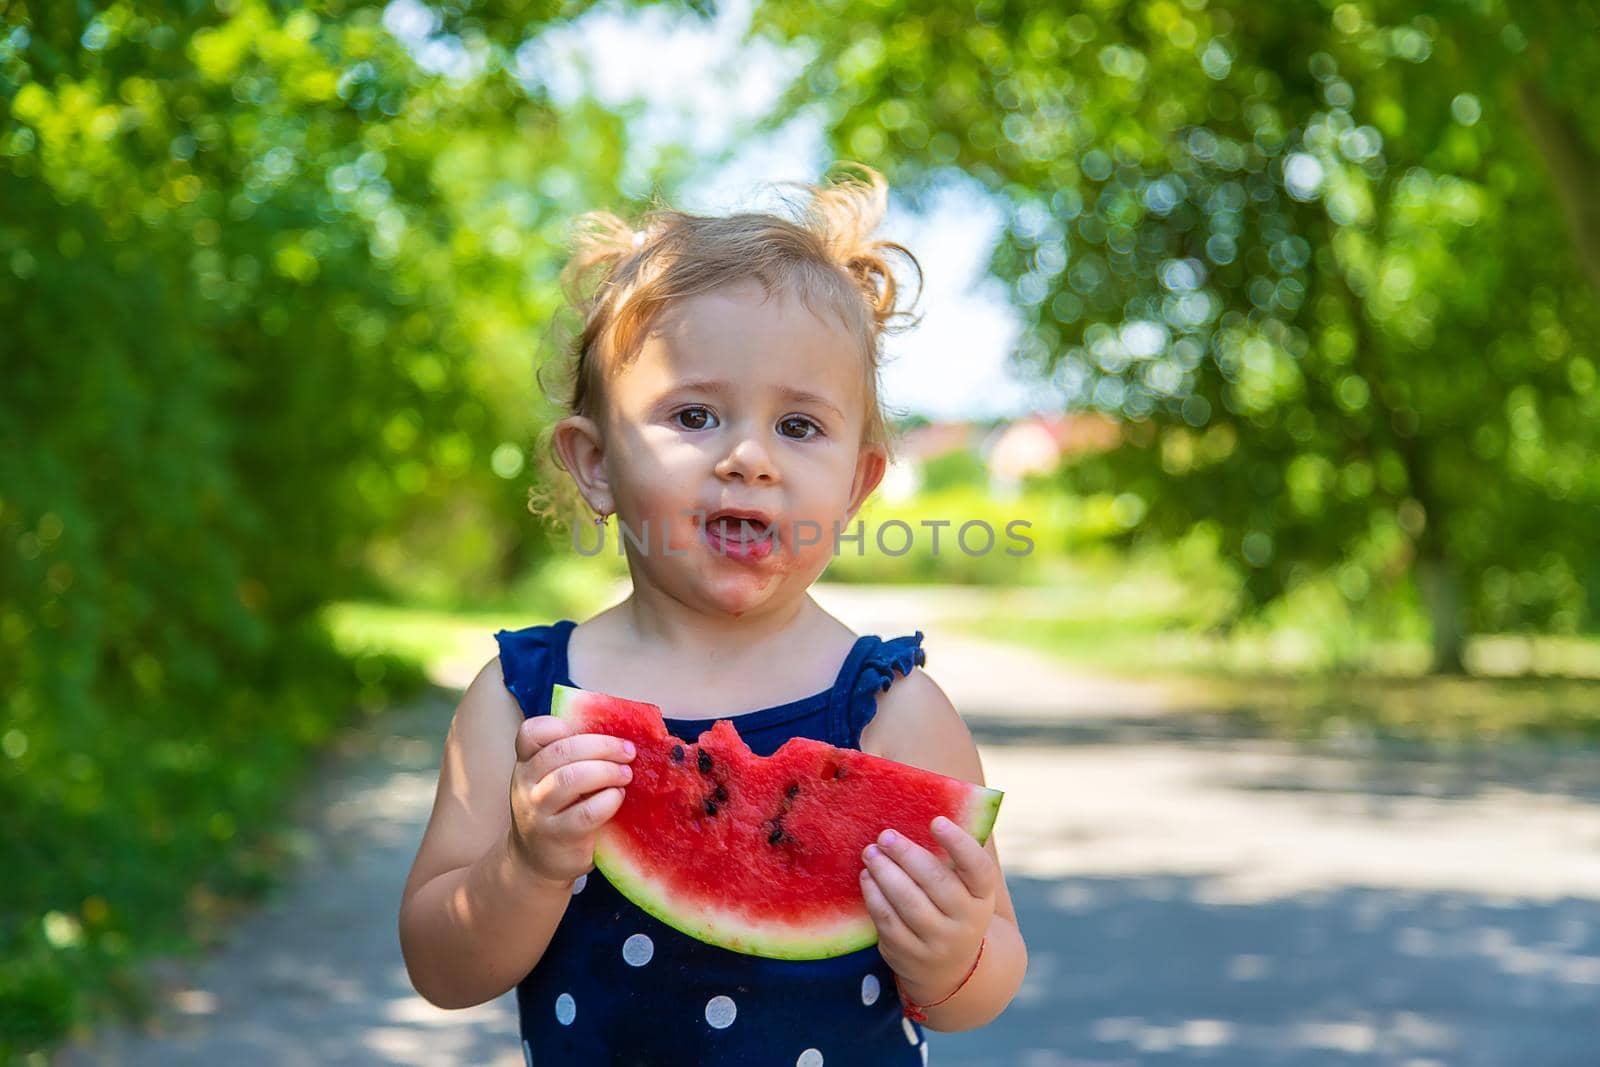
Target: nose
{"points": [[748, 460]]}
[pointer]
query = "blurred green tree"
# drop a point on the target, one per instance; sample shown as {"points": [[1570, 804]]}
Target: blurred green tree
{"points": [[1335, 264]]}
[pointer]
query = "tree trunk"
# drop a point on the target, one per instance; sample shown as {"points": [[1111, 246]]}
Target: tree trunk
{"points": [[1438, 579], [1440, 586], [1574, 168]]}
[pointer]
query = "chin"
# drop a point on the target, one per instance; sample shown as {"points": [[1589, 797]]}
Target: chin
{"points": [[739, 593], [740, 596]]}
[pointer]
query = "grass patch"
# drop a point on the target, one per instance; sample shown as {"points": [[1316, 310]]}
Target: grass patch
{"points": [[1309, 667], [1270, 682], [434, 636]]}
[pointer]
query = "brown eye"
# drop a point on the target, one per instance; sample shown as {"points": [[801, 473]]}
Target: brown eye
{"points": [[696, 418], [798, 427]]}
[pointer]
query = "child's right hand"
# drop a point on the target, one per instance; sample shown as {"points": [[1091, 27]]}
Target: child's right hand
{"points": [[565, 786]]}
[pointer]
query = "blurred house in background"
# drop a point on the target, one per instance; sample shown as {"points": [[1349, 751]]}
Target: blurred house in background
{"points": [[998, 455], [1039, 444]]}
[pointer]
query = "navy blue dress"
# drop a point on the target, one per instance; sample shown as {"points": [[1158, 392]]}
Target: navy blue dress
{"points": [[618, 986]]}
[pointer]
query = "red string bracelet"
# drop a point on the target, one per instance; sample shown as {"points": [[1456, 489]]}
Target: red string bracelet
{"points": [[919, 1012]]}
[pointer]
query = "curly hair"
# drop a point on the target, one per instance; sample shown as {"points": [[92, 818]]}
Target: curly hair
{"points": [[621, 276]]}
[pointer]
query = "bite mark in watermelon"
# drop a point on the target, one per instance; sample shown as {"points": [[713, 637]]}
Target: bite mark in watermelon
{"points": [[759, 854]]}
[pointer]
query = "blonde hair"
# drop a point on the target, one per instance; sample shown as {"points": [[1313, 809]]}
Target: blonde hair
{"points": [[621, 277]]}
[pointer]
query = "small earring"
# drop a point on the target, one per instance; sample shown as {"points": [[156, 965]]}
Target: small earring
{"points": [[600, 520]]}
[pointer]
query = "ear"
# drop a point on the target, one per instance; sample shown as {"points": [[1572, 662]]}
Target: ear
{"points": [[578, 442], [870, 466]]}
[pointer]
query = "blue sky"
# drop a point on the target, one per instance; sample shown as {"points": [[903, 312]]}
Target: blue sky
{"points": [[699, 85]]}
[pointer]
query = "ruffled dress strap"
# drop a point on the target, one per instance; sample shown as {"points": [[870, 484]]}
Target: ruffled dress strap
{"points": [[531, 661], [876, 663]]}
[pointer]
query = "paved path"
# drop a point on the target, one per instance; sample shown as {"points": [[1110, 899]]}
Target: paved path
{"points": [[1188, 897]]}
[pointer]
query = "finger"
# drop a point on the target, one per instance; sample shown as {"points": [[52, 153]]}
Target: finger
{"points": [[972, 862], [589, 814], [537, 732], [572, 782], [919, 914], [948, 892], [890, 928], [577, 747]]}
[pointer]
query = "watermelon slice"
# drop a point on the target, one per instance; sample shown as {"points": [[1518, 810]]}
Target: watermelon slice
{"points": [[761, 855]]}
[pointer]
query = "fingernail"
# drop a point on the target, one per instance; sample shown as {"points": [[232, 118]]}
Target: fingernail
{"points": [[942, 823], [627, 773], [627, 747], [872, 852], [888, 838]]}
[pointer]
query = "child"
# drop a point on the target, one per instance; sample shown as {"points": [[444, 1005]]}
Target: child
{"points": [[724, 398]]}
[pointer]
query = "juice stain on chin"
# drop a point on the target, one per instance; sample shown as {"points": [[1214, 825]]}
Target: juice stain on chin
{"points": [[775, 569]]}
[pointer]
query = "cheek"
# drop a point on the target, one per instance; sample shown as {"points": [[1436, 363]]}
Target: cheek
{"points": [[825, 486], [661, 466], [658, 498]]}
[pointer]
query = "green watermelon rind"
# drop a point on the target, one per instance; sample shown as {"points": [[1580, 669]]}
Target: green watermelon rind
{"points": [[731, 932], [814, 942]]}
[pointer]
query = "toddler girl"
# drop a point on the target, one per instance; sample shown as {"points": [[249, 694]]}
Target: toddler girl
{"points": [[724, 407]]}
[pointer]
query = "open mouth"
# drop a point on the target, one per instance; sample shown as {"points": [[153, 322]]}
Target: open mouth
{"points": [[747, 535]]}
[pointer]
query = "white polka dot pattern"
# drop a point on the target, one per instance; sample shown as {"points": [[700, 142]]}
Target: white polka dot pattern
{"points": [[566, 1009], [720, 1012], [809, 1058], [924, 1048], [638, 949], [911, 1031], [870, 987], [577, 886]]}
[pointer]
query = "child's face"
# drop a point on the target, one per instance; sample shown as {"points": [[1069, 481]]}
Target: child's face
{"points": [[735, 403]]}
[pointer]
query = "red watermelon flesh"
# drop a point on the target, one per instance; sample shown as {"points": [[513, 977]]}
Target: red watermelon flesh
{"points": [[761, 855]]}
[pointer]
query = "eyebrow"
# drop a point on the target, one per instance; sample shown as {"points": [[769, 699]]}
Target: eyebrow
{"points": [[721, 388]]}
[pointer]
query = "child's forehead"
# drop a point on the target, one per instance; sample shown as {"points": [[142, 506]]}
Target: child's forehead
{"points": [[740, 337], [743, 310]]}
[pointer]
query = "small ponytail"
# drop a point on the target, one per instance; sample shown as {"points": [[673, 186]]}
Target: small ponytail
{"points": [[848, 212], [600, 241]]}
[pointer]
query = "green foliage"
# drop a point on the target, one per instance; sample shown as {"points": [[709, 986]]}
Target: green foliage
{"points": [[1338, 266], [959, 466], [133, 820]]}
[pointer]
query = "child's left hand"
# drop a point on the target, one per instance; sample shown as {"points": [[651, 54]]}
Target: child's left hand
{"points": [[931, 915]]}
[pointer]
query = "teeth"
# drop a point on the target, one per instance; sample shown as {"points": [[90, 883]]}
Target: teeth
{"points": [[740, 530], [733, 530]]}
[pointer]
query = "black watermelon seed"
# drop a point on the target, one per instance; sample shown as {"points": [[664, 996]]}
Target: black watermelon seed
{"points": [[776, 836], [721, 794], [711, 808], [838, 772], [677, 753], [793, 790], [705, 762]]}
